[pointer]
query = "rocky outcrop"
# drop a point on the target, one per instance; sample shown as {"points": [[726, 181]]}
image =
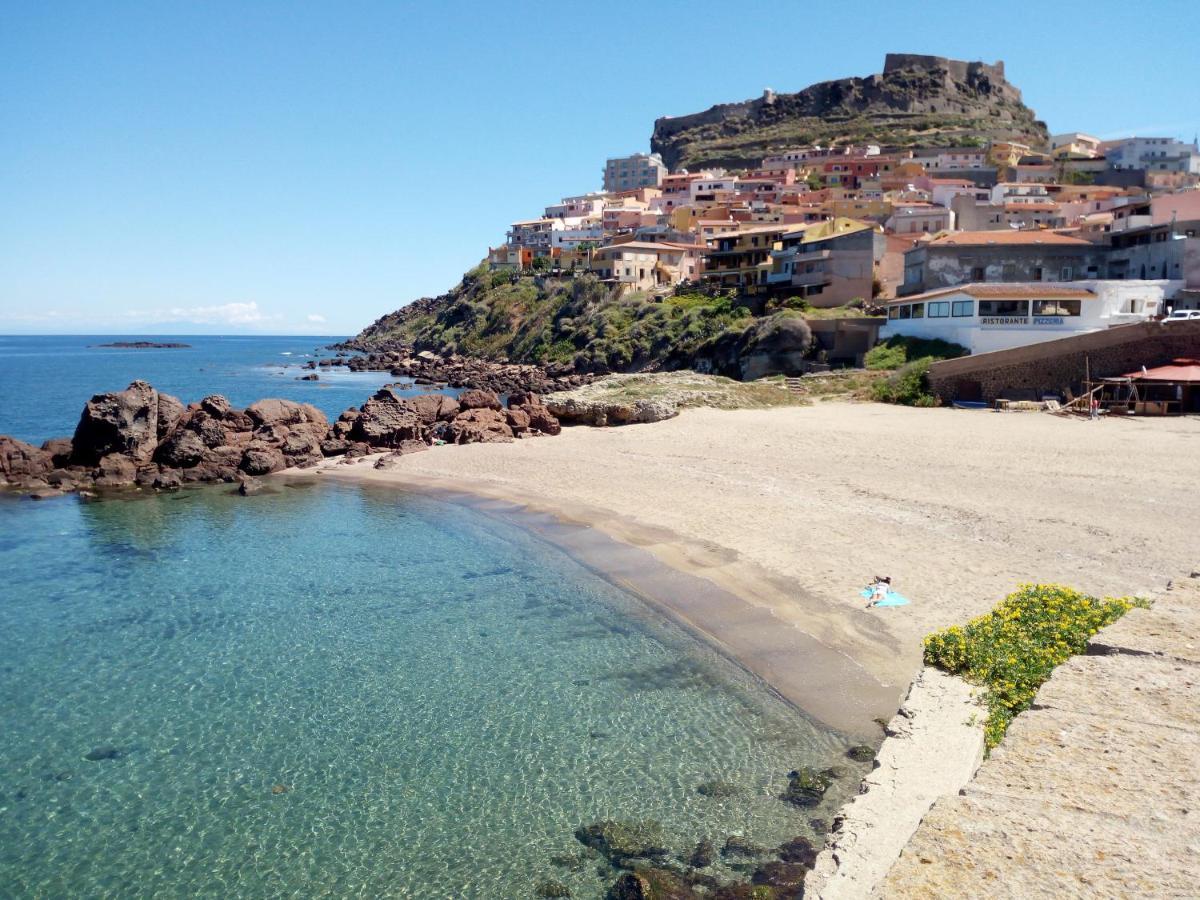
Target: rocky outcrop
{"points": [[916, 101], [427, 367], [123, 422], [139, 437], [599, 413], [391, 420], [21, 460]]}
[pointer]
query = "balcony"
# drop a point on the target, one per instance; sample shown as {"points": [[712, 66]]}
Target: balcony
{"points": [[1130, 223]]}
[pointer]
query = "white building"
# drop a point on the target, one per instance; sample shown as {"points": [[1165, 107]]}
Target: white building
{"points": [[1074, 143], [584, 206], [1154, 154], [986, 317], [569, 238], [953, 159]]}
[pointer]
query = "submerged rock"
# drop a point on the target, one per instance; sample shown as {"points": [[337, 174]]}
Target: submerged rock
{"points": [[718, 788], [107, 751], [622, 841], [799, 850], [780, 875], [806, 786], [704, 854], [548, 887], [737, 846], [861, 753]]}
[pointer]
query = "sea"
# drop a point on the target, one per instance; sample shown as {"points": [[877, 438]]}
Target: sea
{"points": [[335, 690]]}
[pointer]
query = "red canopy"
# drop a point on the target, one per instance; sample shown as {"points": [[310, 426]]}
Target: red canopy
{"points": [[1179, 371]]}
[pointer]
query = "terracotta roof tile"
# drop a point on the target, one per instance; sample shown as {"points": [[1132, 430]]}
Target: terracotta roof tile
{"points": [[984, 238]]}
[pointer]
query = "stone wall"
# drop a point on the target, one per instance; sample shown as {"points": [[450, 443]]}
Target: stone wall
{"points": [[1056, 366]]}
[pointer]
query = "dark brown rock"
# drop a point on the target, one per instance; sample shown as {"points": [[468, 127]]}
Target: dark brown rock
{"points": [[262, 459], [211, 432], [518, 420], [182, 450], [284, 412], [386, 420], [541, 419], [115, 470], [249, 486], [216, 406], [123, 422], [479, 426], [433, 408], [19, 459], [798, 850], [60, 451], [477, 399], [169, 410], [167, 480], [780, 875]]}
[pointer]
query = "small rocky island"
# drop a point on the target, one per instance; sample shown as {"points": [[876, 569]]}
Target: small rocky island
{"points": [[146, 345]]}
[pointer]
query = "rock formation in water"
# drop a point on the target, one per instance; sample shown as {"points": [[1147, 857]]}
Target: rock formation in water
{"points": [[141, 437], [917, 101]]}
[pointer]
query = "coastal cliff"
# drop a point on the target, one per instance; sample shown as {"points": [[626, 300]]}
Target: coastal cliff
{"points": [[578, 324], [926, 101]]}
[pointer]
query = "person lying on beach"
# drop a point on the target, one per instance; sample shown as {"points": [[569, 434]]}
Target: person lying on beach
{"points": [[880, 589]]}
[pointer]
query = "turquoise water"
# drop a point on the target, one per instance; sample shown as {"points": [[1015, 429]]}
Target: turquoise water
{"points": [[342, 691], [45, 380]]}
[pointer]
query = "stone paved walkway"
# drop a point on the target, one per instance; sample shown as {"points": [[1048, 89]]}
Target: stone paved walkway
{"points": [[1095, 792]]}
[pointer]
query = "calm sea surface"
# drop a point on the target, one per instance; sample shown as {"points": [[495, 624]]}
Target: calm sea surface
{"points": [[44, 381], [338, 691]]}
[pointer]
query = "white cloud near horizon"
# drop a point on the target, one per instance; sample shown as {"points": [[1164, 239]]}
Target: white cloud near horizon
{"points": [[317, 318], [221, 314]]}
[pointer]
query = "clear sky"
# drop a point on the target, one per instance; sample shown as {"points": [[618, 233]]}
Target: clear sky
{"points": [[305, 167]]}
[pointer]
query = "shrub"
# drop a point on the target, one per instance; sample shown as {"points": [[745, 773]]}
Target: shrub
{"points": [[907, 386], [896, 351], [1013, 649]]}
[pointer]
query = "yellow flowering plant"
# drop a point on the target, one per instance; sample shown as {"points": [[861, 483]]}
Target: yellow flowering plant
{"points": [[1013, 649]]}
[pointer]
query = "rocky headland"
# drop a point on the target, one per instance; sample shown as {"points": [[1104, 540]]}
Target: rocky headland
{"points": [[917, 101], [143, 438], [425, 367]]}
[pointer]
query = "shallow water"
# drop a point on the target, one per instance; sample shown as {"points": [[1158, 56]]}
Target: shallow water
{"points": [[45, 380], [335, 690]]}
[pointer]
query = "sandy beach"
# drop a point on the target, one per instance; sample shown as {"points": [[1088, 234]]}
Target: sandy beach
{"points": [[794, 509]]}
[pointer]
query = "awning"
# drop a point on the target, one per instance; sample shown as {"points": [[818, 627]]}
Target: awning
{"points": [[1180, 371]]}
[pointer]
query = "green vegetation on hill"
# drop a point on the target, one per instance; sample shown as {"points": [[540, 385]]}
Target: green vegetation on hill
{"points": [[907, 359], [1013, 650], [550, 319]]}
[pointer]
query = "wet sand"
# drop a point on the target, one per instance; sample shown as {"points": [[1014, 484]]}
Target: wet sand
{"points": [[792, 510]]}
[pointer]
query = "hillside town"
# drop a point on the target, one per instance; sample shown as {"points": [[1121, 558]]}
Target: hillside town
{"points": [[992, 246]]}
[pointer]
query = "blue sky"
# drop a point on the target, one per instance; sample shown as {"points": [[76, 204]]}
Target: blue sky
{"points": [[306, 167]]}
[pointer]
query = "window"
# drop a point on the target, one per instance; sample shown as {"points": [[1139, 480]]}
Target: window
{"points": [[1008, 272], [963, 308], [1056, 307], [1037, 273], [918, 310], [906, 312], [1003, 307], [978, 274], [1068, 274], [939, 309]]}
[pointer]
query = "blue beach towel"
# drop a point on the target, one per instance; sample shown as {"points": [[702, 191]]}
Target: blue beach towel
{"points": [[892, 599]]}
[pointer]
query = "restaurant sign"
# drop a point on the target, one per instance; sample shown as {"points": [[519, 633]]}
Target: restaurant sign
{"points": [[1003, 320]]}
